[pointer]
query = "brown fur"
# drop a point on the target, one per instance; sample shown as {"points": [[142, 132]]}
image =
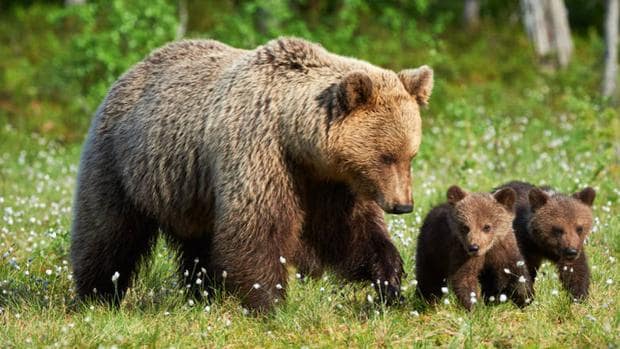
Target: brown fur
{"points": [[242, 156], [547, 226], [468, 242]]}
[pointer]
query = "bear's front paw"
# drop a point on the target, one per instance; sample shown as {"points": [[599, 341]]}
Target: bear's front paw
{"points": [[387, 272]]}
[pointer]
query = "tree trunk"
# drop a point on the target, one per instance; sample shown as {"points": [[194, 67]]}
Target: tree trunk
{"points": [[610, 75], [546, 23], [560, 30], [182, 28], [471, 14], [74, 2]]}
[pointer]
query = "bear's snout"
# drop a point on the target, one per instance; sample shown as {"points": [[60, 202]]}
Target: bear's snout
{"points": [[570, 253], [400, 209]]}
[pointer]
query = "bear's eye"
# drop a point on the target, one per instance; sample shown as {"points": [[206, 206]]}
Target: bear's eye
{"points": [[557, 231], [388, 159], [579, 229], [464, 229], [486, 228]]}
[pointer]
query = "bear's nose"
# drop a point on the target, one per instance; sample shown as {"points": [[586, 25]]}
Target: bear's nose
{"points": [[398, 209], [570, 252], [473, 248]]}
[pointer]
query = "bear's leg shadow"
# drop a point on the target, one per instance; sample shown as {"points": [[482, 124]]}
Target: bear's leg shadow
{"points": [[109, 236], [430, 279], [194, 263], [509, 273], [350, 237]]}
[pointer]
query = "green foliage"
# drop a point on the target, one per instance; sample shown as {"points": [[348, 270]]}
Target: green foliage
{"points": [[110, 36], [58, 62], [493, 116]]}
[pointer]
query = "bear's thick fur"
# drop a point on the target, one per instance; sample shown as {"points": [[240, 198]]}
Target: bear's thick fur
{"points": [[554, 226], [468, 244], [245, 159]]}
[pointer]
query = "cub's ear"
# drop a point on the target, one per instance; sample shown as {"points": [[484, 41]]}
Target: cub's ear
{"points": [[418, 82], [506, 197], [356, 90], [455, 194], [586, 196], [537, 198]]}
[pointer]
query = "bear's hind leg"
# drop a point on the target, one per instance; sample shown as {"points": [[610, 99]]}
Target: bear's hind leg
{"points": [[109, 236]]}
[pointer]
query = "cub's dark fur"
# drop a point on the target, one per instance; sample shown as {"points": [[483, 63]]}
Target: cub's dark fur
{"points": [[554, 226], [468, 242]]}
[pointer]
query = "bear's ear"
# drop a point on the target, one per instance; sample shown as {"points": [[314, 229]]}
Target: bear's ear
{"points": [[356, 90], [455, 194], [537, 198], [586, 196], [418, 82], [506, 197]]}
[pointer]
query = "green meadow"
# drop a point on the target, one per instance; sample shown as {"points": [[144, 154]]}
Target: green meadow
{"points": [[496, 114]]}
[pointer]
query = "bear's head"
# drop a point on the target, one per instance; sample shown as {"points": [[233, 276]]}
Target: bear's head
{"points": [[480, 219], [376, 131], [559, 224]]}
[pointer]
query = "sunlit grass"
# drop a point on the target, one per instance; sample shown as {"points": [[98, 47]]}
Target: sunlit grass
{"points": [[478, 149]]}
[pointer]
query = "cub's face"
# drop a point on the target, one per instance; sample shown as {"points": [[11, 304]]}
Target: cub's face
{"points": [[560, 224], [371, 147], [480, 219]]}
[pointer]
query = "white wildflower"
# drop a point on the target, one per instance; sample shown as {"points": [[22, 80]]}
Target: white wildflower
{"points": [[444, 290], [502, 298], [506, 270], [282, 260], [115, 276], [520, 263], [256, 286], [522, 279], [369, 298]]}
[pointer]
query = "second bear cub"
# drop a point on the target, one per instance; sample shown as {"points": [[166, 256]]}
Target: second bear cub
{"points": [[554, 226], [468, 242]]}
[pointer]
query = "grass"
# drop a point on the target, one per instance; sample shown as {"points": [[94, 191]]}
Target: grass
{"points": [[493, 118]]}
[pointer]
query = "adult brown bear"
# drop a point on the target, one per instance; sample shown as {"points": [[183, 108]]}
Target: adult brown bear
{"points": [[246, 158]]}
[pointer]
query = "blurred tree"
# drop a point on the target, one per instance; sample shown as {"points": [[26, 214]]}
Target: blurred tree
{"points": [[546, 23], [74, 2], [471, 14], [610, 75], [183, 17]]}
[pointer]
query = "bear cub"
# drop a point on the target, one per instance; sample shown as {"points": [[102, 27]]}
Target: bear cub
{"points": [[468, 243], [554, 226]]}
